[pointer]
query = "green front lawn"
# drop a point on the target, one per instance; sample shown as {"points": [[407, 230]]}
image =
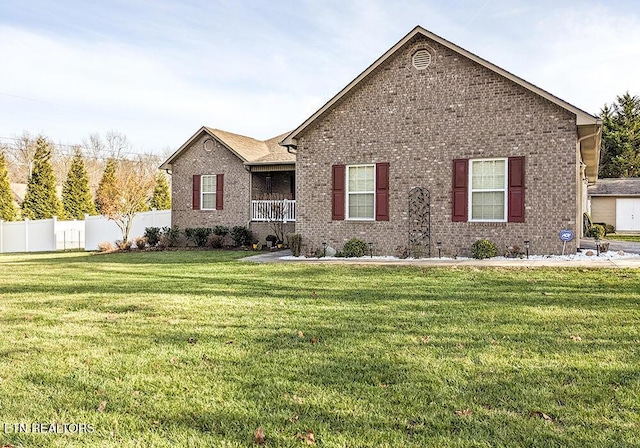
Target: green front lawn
{"points": [[196, 349]]}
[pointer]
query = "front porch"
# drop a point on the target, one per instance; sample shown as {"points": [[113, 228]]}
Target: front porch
{"points": [[273, 193]]}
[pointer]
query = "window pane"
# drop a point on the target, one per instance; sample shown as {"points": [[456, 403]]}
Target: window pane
{"points": [[360, 178], [488, 205], [208, 200], [487, 174], [208, 184], [361, 206]]}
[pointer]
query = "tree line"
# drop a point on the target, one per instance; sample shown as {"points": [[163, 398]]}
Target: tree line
{"points": [[128, 183]]}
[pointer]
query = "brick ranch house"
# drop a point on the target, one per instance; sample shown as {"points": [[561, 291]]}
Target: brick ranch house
{"points": [[221, 178], [430, 144]]}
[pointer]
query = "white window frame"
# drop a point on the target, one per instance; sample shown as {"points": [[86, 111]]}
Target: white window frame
{"points": [[348, 193], [505, 190], [208, 193]]}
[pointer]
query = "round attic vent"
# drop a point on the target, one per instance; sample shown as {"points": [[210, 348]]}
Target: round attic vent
{"points": [[208, 144], [421, 59]]}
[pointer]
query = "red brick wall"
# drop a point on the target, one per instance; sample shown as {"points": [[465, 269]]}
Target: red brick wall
{"points": [[418, 122]]}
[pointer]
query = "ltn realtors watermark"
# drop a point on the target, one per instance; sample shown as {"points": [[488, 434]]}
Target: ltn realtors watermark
{"points": [[48, 428]]}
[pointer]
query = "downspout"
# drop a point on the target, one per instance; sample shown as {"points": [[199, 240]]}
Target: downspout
{"points": [[248, 168], [580, 214]]}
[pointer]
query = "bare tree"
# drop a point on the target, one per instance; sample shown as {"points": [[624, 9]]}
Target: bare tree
{"points": [[128, 195]]}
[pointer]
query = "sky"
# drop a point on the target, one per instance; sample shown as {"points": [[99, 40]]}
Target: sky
{"points": [[158, 70]]}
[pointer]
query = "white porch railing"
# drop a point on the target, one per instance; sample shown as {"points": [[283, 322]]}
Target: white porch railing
{"points": [[268, 210]]}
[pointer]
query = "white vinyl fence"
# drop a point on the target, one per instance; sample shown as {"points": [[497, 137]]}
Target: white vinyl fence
{"points": [[98, 229], [50, 234]]}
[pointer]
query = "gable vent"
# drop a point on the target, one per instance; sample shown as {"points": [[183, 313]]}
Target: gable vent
{"points": [[421, 59]]}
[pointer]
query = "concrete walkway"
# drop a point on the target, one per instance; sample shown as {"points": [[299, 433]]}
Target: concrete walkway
{"points": [[591, 262]]}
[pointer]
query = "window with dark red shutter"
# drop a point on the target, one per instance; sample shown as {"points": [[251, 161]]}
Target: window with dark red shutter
{"points": [[196, 192], [516, 190], [460, 190], [219, 191], [338, 192], [382, 191]]}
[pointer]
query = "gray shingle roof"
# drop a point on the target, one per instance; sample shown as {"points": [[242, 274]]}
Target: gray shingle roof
{"points": [[629, 186]]}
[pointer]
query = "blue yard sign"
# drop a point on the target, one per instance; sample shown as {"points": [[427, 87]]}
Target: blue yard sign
{"points": [[566, 235]]}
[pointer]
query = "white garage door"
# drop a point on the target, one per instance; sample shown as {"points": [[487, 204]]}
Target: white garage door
{"points": [[628, 214]]}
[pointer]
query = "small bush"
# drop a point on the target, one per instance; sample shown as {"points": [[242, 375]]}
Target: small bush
{"points": [[124, 245], [608, 228], [596, 230], [241, 236], [221, 231], [170, 236], [198, 235], [141, 242], [354, 248], [152, 234], [105, 246], [513, 252], [215, 241], [483, 249], [294, 241]]}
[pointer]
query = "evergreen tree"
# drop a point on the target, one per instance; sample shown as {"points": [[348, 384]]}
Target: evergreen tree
{"points": [[76, 195], [107, 188], [620, 150], [161, 199], [41, 200], [7, 208]]}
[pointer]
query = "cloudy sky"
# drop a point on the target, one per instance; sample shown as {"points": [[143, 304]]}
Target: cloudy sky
{"points": [[157, 70]]}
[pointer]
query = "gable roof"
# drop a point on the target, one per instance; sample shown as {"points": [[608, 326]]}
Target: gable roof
{"points": [[247, 149], [582, 117], [629, 186]]}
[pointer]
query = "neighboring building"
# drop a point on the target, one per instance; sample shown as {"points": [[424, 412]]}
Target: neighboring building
{"points": [[616, 202], [430, 144], [220, 178]]}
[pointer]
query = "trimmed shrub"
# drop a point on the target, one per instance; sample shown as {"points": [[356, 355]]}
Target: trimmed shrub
{"points": [[608, 228], [241, 236], [152, 234], [198, 235], [221, 230], [483, 249], [294, 241], [596, 230], [170, 236], [215, 241], [354, 248]]}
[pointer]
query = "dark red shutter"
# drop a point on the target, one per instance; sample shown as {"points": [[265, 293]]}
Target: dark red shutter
{"points": [[382, 191], [515, 212], [460, 190], [196, 192], [337, 206], [219, 191]]}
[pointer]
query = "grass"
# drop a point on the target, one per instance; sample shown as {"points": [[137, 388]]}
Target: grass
{"points": [[196, 349], [622, 237]]}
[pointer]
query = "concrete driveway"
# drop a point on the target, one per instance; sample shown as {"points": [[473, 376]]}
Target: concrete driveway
{"points": [[627, 246]]}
